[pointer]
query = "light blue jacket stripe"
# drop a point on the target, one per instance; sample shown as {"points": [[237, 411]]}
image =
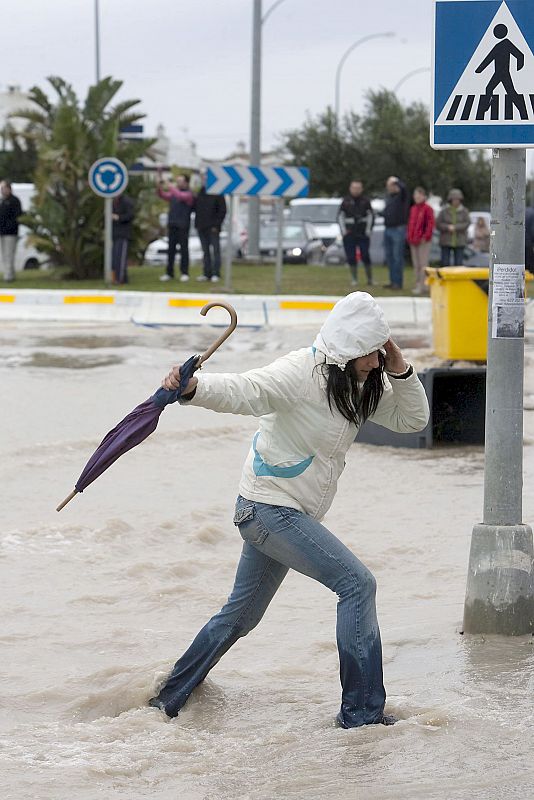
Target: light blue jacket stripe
{"points": [[266, 470]]}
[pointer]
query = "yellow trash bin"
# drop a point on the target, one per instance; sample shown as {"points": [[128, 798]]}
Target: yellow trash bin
{"points": [[460, 312]]}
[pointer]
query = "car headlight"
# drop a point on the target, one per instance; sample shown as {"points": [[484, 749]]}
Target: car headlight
{"points": [[297, 251]]}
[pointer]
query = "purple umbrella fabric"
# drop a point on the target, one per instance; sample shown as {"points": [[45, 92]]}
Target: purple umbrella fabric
{"points": [[132, 430], [143, 420]]}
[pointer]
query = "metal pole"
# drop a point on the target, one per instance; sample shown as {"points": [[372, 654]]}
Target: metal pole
{"points": [[500, 593], [97, 41], [255, 130], [229, 253], [280, 245], [344, 57], [108, 240]]}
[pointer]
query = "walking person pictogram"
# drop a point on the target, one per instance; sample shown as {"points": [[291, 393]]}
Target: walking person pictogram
{"points": [[501, 56]]}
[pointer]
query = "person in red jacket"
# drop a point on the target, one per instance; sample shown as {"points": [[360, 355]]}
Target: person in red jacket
{"points": [[420, 228]]}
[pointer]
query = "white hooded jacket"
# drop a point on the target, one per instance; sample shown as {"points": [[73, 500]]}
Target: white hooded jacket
{"points": [[298, 453]]}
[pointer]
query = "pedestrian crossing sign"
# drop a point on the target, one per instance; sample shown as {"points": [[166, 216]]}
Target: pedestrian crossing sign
{"points": [[483, 74]]}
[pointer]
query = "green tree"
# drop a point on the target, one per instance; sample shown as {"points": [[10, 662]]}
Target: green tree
{"points": [[18, 161], [389, 138], [66, 220]]}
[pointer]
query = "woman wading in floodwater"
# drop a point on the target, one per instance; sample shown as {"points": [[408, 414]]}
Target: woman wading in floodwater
{"points": [[310, 403]]}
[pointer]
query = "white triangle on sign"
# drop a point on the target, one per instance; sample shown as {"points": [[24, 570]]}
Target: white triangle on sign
{"points": [[469, 102]]}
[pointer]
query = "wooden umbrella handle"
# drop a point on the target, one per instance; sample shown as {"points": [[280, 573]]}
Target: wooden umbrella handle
{"points": [[230, 329]]}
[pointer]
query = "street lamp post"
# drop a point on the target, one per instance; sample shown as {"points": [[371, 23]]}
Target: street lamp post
{"points": [[344, 57], [255, 120], [97, 41], [408, 76], [255, 129]]}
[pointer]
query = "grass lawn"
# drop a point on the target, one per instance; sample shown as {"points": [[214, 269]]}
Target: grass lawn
{"points": [[247, 279]]}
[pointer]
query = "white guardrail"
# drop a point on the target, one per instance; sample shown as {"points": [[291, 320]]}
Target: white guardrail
{"points": [[164, 308]]}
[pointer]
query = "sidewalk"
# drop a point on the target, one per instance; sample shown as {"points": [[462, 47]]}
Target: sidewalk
{"points": [[164, 308]]}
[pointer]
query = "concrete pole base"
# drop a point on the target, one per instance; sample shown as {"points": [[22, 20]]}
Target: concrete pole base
{"points": [[500, 586]]}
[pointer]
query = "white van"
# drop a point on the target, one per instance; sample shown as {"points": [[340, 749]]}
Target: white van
{"points": [[321, 212], [26, 256]]}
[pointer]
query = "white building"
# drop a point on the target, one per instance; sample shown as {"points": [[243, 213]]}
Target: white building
{"points": [[12, 99], [170, 153]]}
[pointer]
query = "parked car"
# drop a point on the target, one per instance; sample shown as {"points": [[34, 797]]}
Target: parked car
{"points": [[300, 242], [321, 212], [156, 252], [335, 253]]}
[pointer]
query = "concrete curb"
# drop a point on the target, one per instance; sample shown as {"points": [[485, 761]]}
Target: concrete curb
{"points": [[166, 308]]}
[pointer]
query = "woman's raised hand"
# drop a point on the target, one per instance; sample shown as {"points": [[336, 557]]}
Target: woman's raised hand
{"points": [[394, 358]]}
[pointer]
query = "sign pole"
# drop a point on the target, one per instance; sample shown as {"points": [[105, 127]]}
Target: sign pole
{"points": [[280, 245], [108, 178], [500, 594], [255, 128], [108, 239], [229, 247]]}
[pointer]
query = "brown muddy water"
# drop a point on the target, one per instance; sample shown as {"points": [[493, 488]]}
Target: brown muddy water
{"points": [[98, 601]]}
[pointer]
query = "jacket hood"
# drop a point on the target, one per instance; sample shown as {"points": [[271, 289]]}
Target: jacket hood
{"points": [[355, 327]]}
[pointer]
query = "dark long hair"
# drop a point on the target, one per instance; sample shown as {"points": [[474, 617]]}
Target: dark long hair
{"points": [[342, 390]]}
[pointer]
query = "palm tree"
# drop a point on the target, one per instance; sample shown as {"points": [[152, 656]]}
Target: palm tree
{"points": [[66, 220]]}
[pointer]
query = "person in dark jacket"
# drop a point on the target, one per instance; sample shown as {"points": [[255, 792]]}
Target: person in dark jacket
{"points": [[355, 218], [10, 211], [395, 218], [122, 216], [529, 239], [210, 211], [180, 199]]}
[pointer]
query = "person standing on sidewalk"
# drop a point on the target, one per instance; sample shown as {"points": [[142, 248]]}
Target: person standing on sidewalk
{"points": [[10, 211], [482, 236], [210, 211], [355, 218], [180, 199], [420, 229], [122, 216], [310, 405], [395, 219], [452, 222]]}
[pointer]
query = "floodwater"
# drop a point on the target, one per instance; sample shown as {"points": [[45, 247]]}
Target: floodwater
{"points": [[98, 601]]}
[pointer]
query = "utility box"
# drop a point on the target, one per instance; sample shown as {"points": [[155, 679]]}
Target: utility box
{"points": [[457, 401]]}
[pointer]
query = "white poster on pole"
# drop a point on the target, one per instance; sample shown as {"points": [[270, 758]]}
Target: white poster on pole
{"points": [[508, 301]]}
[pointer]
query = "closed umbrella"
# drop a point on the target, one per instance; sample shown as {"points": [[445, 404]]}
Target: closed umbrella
{"points": [[143, 420]]}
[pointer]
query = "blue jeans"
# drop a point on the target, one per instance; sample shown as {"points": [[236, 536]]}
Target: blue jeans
{"points": [[457, 254], [394, 244], [277, 539]]}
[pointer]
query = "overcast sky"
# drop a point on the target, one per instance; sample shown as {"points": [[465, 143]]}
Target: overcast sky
{"points": [[189, 62]]}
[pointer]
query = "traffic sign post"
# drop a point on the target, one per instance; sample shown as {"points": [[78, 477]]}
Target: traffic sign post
{"points": [[276, 182], [483, 96], [108, 178]]}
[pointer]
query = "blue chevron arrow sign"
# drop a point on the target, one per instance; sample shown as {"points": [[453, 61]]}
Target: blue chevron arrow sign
{"points": [[258, 181]]}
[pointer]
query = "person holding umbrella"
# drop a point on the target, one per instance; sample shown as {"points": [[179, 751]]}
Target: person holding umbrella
{"points": [[310, 404]]}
